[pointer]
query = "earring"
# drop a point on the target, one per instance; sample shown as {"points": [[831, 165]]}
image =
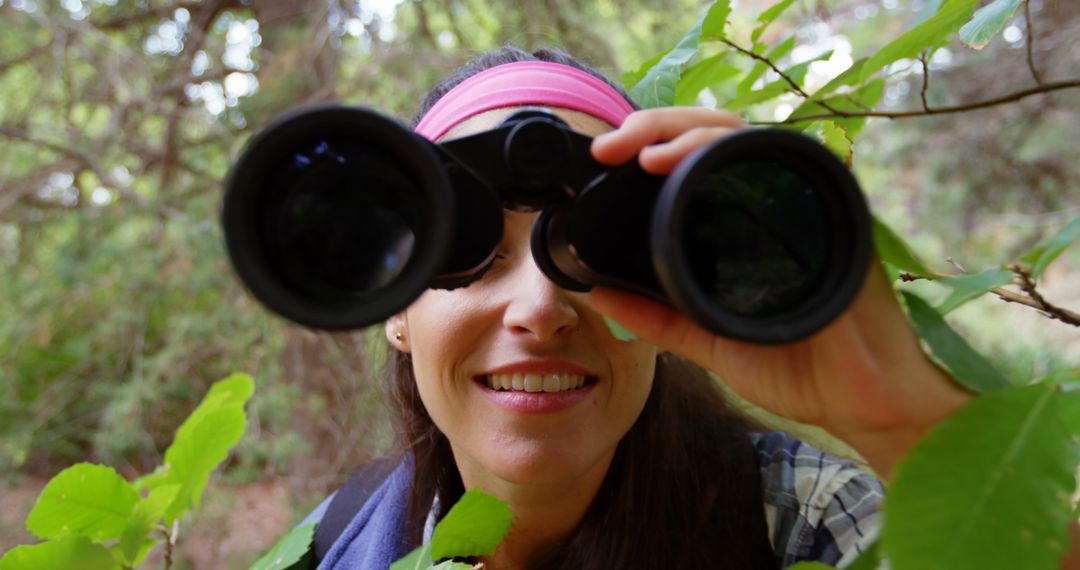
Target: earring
{"points": [[398, 336]]}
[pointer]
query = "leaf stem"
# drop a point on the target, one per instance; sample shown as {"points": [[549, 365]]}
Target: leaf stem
{"points": [[1031, 43], [1010, 98]]}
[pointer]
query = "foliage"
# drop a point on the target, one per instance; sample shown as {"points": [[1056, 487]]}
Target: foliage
{"points": [[991, 486], [91, 517], [475, 526], [289, 550], [988, 488], [118, 120]]}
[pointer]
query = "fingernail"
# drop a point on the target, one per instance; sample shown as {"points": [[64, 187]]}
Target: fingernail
{"points": [[618, 331]]}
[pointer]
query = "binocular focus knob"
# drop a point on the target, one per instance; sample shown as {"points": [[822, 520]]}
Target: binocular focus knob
{"points": [[536, 153]]}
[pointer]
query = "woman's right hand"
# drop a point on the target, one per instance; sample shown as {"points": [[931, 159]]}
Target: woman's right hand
{"points": [[863, 377]]}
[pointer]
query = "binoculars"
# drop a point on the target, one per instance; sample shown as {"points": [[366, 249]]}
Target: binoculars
{"points": [[338, 217]]}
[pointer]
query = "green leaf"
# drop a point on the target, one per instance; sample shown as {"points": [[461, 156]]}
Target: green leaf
{"points": [[967, 366], [811, 566], [861, 99], [987, 488], [712, 26], [657, 87], [204, 440], [618, 331], [868, 560], [451, 565], [702, 75], [967, 287], [767, 18], [1068, 381], [835, 138], [928, 34], [159, 476], [289, 550], [892, 250], [987, 23], [1070, 411], [929, 8], [85, 499], [1049, 249], [194, 458], [68, 552], [418, 559], [148, 512], [475, 526], [632, 78]]}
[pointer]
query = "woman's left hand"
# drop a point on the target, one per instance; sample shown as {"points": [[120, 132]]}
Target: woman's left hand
{"points": [[864, 377]]}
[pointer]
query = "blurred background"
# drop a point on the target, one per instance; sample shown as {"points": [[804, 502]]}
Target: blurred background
{"points": [[118, 122]]}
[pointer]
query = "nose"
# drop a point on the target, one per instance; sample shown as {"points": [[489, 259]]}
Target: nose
{"points": [[538, 308]]}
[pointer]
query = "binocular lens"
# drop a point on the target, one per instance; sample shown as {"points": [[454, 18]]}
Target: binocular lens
{"points": [[755, 237], [341, 223]]}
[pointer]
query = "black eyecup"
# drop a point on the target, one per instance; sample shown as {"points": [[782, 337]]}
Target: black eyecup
{"points": [[847, 217], [542, 254], [244, 202]]}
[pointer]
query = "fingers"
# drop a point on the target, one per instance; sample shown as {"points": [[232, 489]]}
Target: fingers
{"points": [[663, 158], [650, 126], [659, 325]]}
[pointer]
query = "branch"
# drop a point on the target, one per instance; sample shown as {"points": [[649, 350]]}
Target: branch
{"points": [[1032, 297], [23, 58], [791, 82], [85, 159], [166, 11], [925, 80], [1010, 98], [1031, 44], [1028, 285], [756, 56]]}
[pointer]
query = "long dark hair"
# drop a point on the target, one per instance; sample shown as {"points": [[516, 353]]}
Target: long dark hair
{"points": [[684, 487]]}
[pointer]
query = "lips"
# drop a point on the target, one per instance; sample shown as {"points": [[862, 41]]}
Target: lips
{"points": [[537, 387]]}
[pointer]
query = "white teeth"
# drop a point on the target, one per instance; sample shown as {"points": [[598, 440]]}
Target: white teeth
{"points": [[551, 382], [534, 383], [556, 382]]}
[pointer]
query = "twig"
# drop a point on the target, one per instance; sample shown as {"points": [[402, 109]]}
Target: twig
{"points": [[1028, 285], [791, 82], [925, 80], [956, 264], [170, 541], [794, 86], [1012, 97], [1031, 44], [1032, 298], [83, 158]]}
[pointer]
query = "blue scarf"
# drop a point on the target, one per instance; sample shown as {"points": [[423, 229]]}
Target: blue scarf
{"points": [[375, 537]]}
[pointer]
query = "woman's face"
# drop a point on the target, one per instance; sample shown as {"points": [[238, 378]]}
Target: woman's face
{"points": [[514, 325]]}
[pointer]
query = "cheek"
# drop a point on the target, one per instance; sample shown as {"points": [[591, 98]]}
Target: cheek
{"points": [[637, 368], [445, 329]]}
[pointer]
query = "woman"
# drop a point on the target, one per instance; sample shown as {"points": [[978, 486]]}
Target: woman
{"points": [[617, 454]]}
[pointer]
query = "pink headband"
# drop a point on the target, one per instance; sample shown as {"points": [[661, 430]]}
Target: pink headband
{"points": [[525, 83]]}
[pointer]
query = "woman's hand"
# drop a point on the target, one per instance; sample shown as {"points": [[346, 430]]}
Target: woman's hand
{"points": [[864, 377]]}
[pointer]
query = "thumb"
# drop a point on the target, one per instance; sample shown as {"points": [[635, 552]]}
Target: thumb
{"points": [[658, 324]]}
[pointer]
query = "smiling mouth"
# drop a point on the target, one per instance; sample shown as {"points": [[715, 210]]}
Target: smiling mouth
{"points": [[518, 382]]}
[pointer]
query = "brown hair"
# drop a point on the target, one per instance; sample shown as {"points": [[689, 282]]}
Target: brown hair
{"points": [[684, 487]]}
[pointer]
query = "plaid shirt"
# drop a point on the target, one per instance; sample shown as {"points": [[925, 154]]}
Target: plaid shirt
{"points": [[817, 506]]}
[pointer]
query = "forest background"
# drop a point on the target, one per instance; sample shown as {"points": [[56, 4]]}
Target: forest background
{"points": [[118, 121]]}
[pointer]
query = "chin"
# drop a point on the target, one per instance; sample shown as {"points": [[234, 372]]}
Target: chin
{"points": [[541, 463]]}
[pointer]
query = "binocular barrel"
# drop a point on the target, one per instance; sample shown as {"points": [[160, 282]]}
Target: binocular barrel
{"points": [[338, 217]]}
